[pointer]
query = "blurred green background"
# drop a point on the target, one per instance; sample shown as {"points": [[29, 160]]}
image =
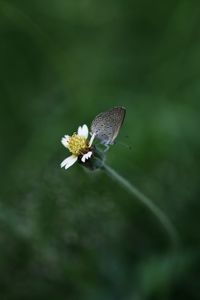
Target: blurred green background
{"points": [[75, 234]]}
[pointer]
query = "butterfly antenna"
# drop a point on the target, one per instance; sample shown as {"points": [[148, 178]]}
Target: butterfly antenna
{"points": [[125, 145]]}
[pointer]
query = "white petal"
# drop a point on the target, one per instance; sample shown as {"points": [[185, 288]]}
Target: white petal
{"points": [[92, 139], [69, 161], [65, 140], [83, 131], [86, 156], [79, 129]]}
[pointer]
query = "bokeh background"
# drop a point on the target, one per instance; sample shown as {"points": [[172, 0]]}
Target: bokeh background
{"points": [[76, 235]]}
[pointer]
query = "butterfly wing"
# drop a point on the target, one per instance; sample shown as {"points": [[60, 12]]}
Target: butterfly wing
{"points": [[106, 125]]}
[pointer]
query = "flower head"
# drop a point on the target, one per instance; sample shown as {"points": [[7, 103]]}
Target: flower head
{"points": [[78, 145]]}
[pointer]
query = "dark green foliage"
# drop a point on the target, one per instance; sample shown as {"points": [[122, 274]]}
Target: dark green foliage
{"points": [[75, 234]]}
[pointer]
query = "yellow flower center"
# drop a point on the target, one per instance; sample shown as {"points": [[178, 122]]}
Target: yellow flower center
{"points": [[78, 145]]}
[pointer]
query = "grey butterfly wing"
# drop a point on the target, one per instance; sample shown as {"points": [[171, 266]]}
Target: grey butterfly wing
{"points": [[106, 125], [102, 129], [117, 118]]}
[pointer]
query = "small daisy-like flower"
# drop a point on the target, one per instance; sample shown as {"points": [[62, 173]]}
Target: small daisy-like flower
{"points": [[78, 145]]}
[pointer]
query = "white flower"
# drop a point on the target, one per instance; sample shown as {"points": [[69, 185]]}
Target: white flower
{"points": [[78, 145]]}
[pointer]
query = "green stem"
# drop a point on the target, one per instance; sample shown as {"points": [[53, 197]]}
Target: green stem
{"points": [[158, 213]]}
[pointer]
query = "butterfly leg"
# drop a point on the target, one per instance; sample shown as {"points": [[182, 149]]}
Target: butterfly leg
{"points": [[106, 148]]}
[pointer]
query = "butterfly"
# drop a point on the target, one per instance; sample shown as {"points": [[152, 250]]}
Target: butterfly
{"points": [[106, 125]]}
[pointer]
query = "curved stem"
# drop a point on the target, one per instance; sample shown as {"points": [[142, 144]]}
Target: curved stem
{"points": [[158, 213]]}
